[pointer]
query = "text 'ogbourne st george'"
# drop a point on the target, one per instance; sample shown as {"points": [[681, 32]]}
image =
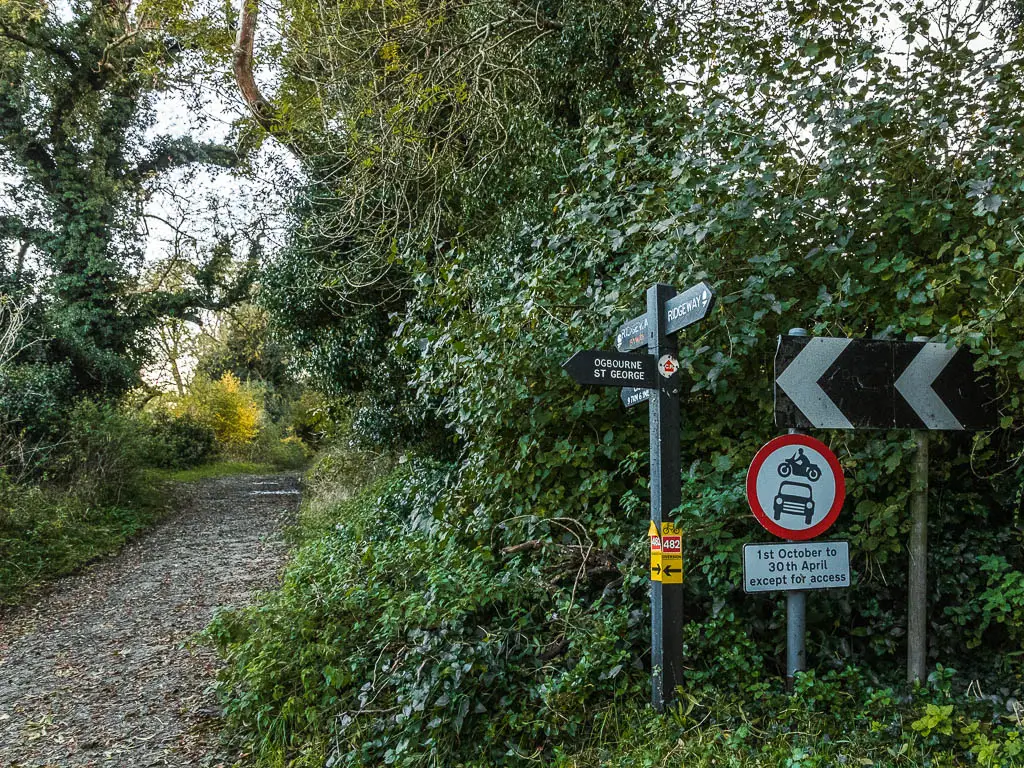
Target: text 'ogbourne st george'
{"points": [[624, 370]]}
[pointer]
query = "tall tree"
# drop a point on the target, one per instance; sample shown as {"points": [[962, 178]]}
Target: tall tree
{"points": [[78, 86], [421, 127]]}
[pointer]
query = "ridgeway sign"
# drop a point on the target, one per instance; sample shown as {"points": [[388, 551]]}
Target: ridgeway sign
{"points": [[689, 307]]}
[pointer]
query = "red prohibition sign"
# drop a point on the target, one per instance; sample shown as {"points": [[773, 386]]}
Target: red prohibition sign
{"points": [[779, 480]]}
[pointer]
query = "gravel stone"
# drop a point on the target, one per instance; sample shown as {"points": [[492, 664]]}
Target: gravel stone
{"points": [[101, 672]]}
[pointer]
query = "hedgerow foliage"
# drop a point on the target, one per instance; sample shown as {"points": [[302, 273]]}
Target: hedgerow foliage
{"points": [[853, 168]]}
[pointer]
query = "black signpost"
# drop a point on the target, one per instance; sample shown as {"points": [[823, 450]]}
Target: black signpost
{"points": [[921, 385], [654, 377], [666, 495]]}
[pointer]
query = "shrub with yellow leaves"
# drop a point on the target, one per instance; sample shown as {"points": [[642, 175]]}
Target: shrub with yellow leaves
{"points": [[228, 406]]}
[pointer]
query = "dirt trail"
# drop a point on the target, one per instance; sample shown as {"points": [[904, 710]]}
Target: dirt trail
{"points": [[97, 675]]}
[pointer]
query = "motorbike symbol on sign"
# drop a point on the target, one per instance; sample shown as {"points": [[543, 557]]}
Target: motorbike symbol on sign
{"points": [[796, 498], [798, 464]]}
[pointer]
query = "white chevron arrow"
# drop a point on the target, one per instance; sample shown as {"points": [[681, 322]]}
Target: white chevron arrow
{"points": [[800, 383], [915, 384]]}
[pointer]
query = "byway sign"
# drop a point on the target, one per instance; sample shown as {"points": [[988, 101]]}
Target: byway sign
{"points": [[834, 383], [632, 396]]}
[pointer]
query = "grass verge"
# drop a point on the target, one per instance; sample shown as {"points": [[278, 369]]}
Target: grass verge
{"points": [[208, 471], [46, 534]]}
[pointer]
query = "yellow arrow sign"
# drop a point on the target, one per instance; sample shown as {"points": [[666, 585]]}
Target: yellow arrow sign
{"points": [[655, 538]]}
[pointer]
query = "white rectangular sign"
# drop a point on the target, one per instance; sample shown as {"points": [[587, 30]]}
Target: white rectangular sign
{"points": [[800, 565]]}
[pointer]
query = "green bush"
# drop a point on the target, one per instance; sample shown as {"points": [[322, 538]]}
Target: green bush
{"points": [[284, 453], [1000, 605], [179, 442], [102, 452], [311, 419], [35, 400], [271, 446], [78, 499]]}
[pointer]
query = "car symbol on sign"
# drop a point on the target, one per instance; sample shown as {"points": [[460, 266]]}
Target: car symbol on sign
{"points": [[795, 499]]}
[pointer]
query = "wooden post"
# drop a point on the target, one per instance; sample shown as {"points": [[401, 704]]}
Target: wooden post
{"points": [[917, 582]]}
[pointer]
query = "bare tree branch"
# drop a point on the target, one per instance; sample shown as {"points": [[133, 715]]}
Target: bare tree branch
{"points": [[13, 317], [264, 113]]}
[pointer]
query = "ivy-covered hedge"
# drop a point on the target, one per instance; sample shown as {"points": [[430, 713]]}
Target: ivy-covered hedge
{"points": [[816, 178], [398, 639]]}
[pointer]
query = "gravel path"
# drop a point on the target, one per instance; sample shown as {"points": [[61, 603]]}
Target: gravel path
{"points": [[97, 674]]}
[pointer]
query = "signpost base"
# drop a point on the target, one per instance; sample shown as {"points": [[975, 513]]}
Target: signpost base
{"points": [[796, 620]]}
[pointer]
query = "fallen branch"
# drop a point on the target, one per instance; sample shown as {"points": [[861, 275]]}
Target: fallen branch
{"points": [[555, 650], [525, 546]]}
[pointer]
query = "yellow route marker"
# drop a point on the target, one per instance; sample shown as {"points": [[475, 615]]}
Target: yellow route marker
{"points": [[671, 554], [655, 537]]}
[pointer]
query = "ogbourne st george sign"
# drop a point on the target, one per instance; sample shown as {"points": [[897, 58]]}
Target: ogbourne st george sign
{"points": [[612, 369]]}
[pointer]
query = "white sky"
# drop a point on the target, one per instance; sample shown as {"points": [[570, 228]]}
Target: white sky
{"points": [[203, 203], [203, 200]]}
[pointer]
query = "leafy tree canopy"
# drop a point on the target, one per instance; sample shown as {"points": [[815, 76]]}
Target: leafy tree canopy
{"points": [[78, 86]]}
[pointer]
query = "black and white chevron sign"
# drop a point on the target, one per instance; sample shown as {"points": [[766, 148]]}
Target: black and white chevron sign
{"points": [[828, 383]]}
